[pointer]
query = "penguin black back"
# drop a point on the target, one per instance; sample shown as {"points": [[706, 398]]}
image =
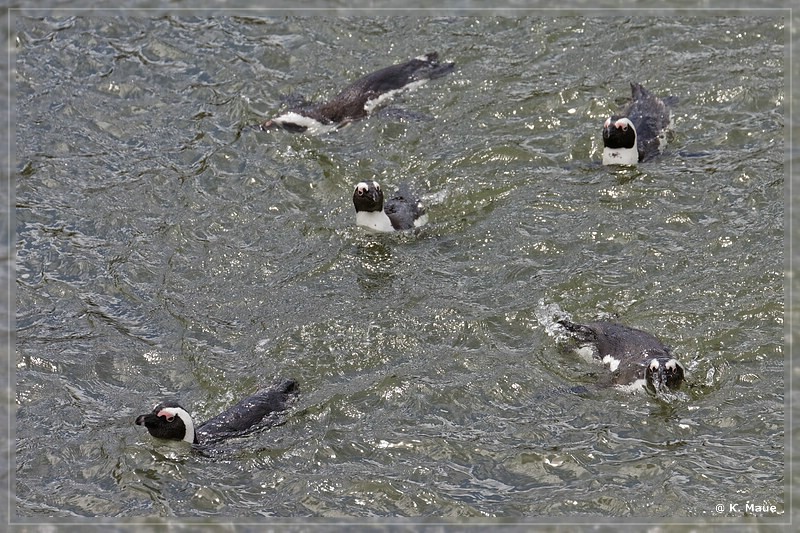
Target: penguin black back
{"points": [[359, 98], [250, 411]]}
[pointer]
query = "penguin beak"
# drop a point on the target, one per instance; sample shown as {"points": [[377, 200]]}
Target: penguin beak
{"points": [[658, 380], [663, 376], [371, 194], [609, 129], [142, 420]]}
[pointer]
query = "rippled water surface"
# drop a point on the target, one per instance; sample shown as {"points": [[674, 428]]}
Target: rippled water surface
{"points": [[166, 247]]}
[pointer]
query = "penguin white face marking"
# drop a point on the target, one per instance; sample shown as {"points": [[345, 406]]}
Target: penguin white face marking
{"points": [[654, 364], [363, 187]]}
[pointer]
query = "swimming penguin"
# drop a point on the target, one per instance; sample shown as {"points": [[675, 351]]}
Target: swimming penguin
{"points": [[400, 212], [359, 98], [169, 420], [639, 133], [635, 358]]}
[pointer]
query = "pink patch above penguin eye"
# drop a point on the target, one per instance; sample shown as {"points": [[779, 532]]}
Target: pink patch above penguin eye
{"points": [[169, 417]]}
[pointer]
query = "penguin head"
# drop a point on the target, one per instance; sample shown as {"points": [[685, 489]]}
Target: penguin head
{"points": [[663, 374], [368, 196], [619, 132], [169, 420]]}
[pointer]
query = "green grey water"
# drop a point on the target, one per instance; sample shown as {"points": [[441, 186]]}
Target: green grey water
{"points": [[166, 247]]}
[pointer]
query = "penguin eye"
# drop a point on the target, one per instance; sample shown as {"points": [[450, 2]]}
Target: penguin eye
{"points": [[170, 418], [361, 192]]}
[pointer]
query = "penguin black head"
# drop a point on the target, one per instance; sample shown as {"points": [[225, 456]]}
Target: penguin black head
{"points": [[663, 374], [169, 420], [619, 132], [368, 197]]}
